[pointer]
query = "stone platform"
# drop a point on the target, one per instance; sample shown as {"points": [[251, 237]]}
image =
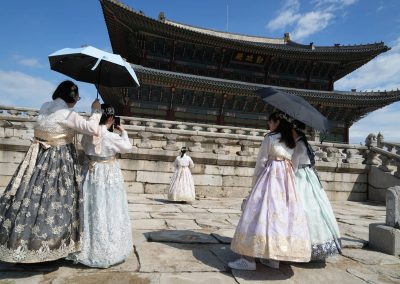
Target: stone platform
{"points": [[180, 243]]}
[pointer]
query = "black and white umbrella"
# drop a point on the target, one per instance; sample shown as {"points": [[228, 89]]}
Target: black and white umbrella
{"points": [[296, 107], [92, 65]]}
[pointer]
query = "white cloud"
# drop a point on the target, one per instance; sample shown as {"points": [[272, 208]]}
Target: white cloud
{"points": [[23, 90], [20, 89], [288, 15], [30, 62], [382, 73], [385, 120], [309, 22], [329, 3]]}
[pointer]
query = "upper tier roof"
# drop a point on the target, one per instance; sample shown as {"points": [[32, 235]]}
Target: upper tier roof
{"points": [[119, 16]]}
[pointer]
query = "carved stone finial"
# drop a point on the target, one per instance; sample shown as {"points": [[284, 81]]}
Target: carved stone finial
{"points": [[371, 141], [380, 139]]}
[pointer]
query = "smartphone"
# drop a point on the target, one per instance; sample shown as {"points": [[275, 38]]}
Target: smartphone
{"points": [[117, 121]]}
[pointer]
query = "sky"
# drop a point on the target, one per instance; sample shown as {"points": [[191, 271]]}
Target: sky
{"points": [[31, 30]]}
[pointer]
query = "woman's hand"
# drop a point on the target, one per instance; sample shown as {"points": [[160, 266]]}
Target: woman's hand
{"points": [[96, 104], [119, 127]]}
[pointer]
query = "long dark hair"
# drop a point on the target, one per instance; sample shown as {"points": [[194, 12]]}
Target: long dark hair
{"points": [[67, 91], [300, 127], [284, 128], [183, 151]]}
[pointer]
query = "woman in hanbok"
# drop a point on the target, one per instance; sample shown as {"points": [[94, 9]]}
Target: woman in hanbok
{"points": [[182, 184], [273, 225], [40, 209], [107, 238], [324, 230]]}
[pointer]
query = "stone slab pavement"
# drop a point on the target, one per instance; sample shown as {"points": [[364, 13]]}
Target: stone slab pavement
{"points": [[190, 243]]}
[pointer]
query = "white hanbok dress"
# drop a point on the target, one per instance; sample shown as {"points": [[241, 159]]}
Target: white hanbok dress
{"points": [[182, 184], [107, 237]]}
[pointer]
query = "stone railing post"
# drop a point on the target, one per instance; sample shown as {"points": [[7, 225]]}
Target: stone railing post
{"points": [[353, 156], [371, 156], [244, 148], [380, 140], [393, 207], [320, 154], [171, 142], [385, 163], [333, 154], [386, 237], [315, 136], [145, 140], [221, 146], [197, 144], [135, 122], [397, 165]]}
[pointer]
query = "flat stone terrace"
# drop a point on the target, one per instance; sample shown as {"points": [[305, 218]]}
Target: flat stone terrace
{"points": [[181, 243]]}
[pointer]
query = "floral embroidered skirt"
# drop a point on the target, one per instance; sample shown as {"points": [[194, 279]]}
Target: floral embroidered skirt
{"points": [[273, 224], [182, 186], [324, 231], [107, 236], [40, 208]]}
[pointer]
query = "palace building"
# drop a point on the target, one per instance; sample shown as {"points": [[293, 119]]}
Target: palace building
{"points": [[199, 75]]}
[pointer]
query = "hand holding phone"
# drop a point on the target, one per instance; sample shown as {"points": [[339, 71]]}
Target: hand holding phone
{"points": [[117, 123]]}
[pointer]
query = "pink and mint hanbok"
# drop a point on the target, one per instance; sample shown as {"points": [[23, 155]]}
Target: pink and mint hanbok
{"points": [[273, 224], [324, 230]]}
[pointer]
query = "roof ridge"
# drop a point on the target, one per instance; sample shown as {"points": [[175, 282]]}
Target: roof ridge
{"points": [[262, 40]]}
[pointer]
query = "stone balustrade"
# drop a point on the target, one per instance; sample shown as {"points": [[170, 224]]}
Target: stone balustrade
{"points": [[384, 166], [224, 156]]}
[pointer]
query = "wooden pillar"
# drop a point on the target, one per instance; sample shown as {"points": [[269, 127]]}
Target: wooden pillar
{"points": [[346, 133], [330, 87], [220, 118], [170, 111], [126, 109]]}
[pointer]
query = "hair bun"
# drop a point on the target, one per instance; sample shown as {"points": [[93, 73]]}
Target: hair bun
{"points": [[286, 117], [108, 110]]}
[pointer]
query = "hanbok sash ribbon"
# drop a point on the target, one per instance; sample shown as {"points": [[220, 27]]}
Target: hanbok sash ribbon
{"points": [[45, 140], [93, 160]]}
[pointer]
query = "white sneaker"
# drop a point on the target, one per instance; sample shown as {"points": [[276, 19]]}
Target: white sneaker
{"points": [[242, 264], [270, 263]]}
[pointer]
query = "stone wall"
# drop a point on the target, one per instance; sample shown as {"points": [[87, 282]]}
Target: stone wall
{"points": [[224, 156]]}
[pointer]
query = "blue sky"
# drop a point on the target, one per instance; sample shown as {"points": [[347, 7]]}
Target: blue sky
{"points": [[31, 30]]}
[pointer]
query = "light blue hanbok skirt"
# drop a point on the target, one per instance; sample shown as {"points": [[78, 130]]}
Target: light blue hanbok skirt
{"points": [[107, 235], [324, 231]]}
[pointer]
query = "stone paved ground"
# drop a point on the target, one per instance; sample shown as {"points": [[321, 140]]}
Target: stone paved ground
{"points": [[178, 243]]}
